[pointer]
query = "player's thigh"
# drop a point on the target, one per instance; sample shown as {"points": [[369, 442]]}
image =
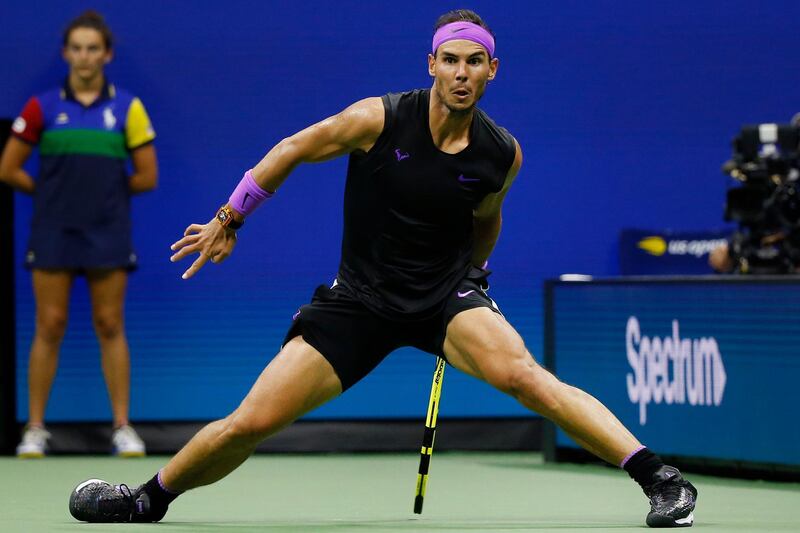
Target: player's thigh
{"points": [[482, 343], [107, 289], [296, 381]]}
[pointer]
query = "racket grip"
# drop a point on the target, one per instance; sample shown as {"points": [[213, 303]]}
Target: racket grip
{"points": [[418, 504]]}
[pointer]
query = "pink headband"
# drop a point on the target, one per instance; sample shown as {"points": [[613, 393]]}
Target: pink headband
{"points": [[469, 31]]}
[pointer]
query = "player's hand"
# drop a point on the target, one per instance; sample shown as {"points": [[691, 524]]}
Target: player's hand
{"points": [[211, 241]]}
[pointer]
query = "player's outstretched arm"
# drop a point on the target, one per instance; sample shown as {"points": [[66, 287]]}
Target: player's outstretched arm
{"points": [[355, 128], [487, 218]]}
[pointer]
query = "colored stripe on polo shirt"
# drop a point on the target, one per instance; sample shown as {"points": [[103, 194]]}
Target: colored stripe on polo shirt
{"points": [[138, 129], [83, 141]]}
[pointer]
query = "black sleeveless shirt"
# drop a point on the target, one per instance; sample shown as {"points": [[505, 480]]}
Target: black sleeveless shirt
{"points": [[408, 209]]}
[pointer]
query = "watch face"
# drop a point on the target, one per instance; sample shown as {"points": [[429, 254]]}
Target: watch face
{"points": [[225, 217]]}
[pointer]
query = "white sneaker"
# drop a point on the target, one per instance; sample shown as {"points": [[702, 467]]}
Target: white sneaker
{"points": [[34, 443], [127, 443]]}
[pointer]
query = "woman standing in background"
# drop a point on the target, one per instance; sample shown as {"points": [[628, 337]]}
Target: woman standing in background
{"points": [[85, 130]]}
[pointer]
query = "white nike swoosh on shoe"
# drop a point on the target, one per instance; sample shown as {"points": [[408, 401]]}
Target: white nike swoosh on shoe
{"points": [[88, 482], [687, 520]]}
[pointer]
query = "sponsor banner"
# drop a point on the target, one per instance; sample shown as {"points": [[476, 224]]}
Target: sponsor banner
{"points": [[693, 367], [647, 252], [673, 369]]}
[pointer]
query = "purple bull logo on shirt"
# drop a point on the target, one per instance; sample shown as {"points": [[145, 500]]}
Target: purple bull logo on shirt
{"points": [[672, 370]]}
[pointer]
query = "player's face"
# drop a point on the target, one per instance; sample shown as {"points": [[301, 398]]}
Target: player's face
{"points": [[86, 53], [461, 70]]}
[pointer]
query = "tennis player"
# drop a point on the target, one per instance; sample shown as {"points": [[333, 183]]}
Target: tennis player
{"points": [[427, 175]]}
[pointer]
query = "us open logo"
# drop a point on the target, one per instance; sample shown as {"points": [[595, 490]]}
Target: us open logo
{"points": [[658, 246], [673, 370]]}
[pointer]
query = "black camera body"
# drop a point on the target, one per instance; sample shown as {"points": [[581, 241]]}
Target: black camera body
{"points": [[766, 204]]}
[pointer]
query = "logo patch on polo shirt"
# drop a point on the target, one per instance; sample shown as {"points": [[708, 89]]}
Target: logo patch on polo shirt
{"points": [[62, 118], [19, 125], [109, 120]]}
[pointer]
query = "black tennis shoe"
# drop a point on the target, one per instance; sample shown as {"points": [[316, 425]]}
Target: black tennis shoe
{"points": [[96, 500], [672, 499]]}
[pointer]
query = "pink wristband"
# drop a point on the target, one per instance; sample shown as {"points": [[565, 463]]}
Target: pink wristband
{"points": [[247, 196]]}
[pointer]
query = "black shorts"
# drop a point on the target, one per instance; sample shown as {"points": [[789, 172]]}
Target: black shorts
{"points": [[354, 339]]}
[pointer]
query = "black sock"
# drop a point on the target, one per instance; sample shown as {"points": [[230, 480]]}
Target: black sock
{"points": [[160, 496], [642, 465]]}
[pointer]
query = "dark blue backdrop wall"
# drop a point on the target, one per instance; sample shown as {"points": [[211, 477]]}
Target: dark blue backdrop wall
{"points": [[624, 110]]}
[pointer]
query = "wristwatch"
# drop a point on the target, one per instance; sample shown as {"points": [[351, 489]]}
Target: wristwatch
{"points": [[225, 217]]}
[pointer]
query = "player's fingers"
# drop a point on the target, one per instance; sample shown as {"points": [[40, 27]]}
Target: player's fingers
{"points": [[220, 257], [197, 265], [183, 252], [189, 239], [193, 228]]}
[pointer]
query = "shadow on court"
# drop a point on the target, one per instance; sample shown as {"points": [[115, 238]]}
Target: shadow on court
{"points": [[394, 525]]}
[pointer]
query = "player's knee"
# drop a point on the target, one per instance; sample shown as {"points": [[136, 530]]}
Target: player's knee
{"points": [[108, 325], [513, 376], [519, 381], [51, 323], [246, 430], [536, 388]]}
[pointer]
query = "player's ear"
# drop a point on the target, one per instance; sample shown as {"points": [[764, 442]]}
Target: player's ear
{"points": [[431, 64], [493, 64]]}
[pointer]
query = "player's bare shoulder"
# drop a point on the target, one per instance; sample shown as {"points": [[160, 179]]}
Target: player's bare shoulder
{"points": [[364, 120]]}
